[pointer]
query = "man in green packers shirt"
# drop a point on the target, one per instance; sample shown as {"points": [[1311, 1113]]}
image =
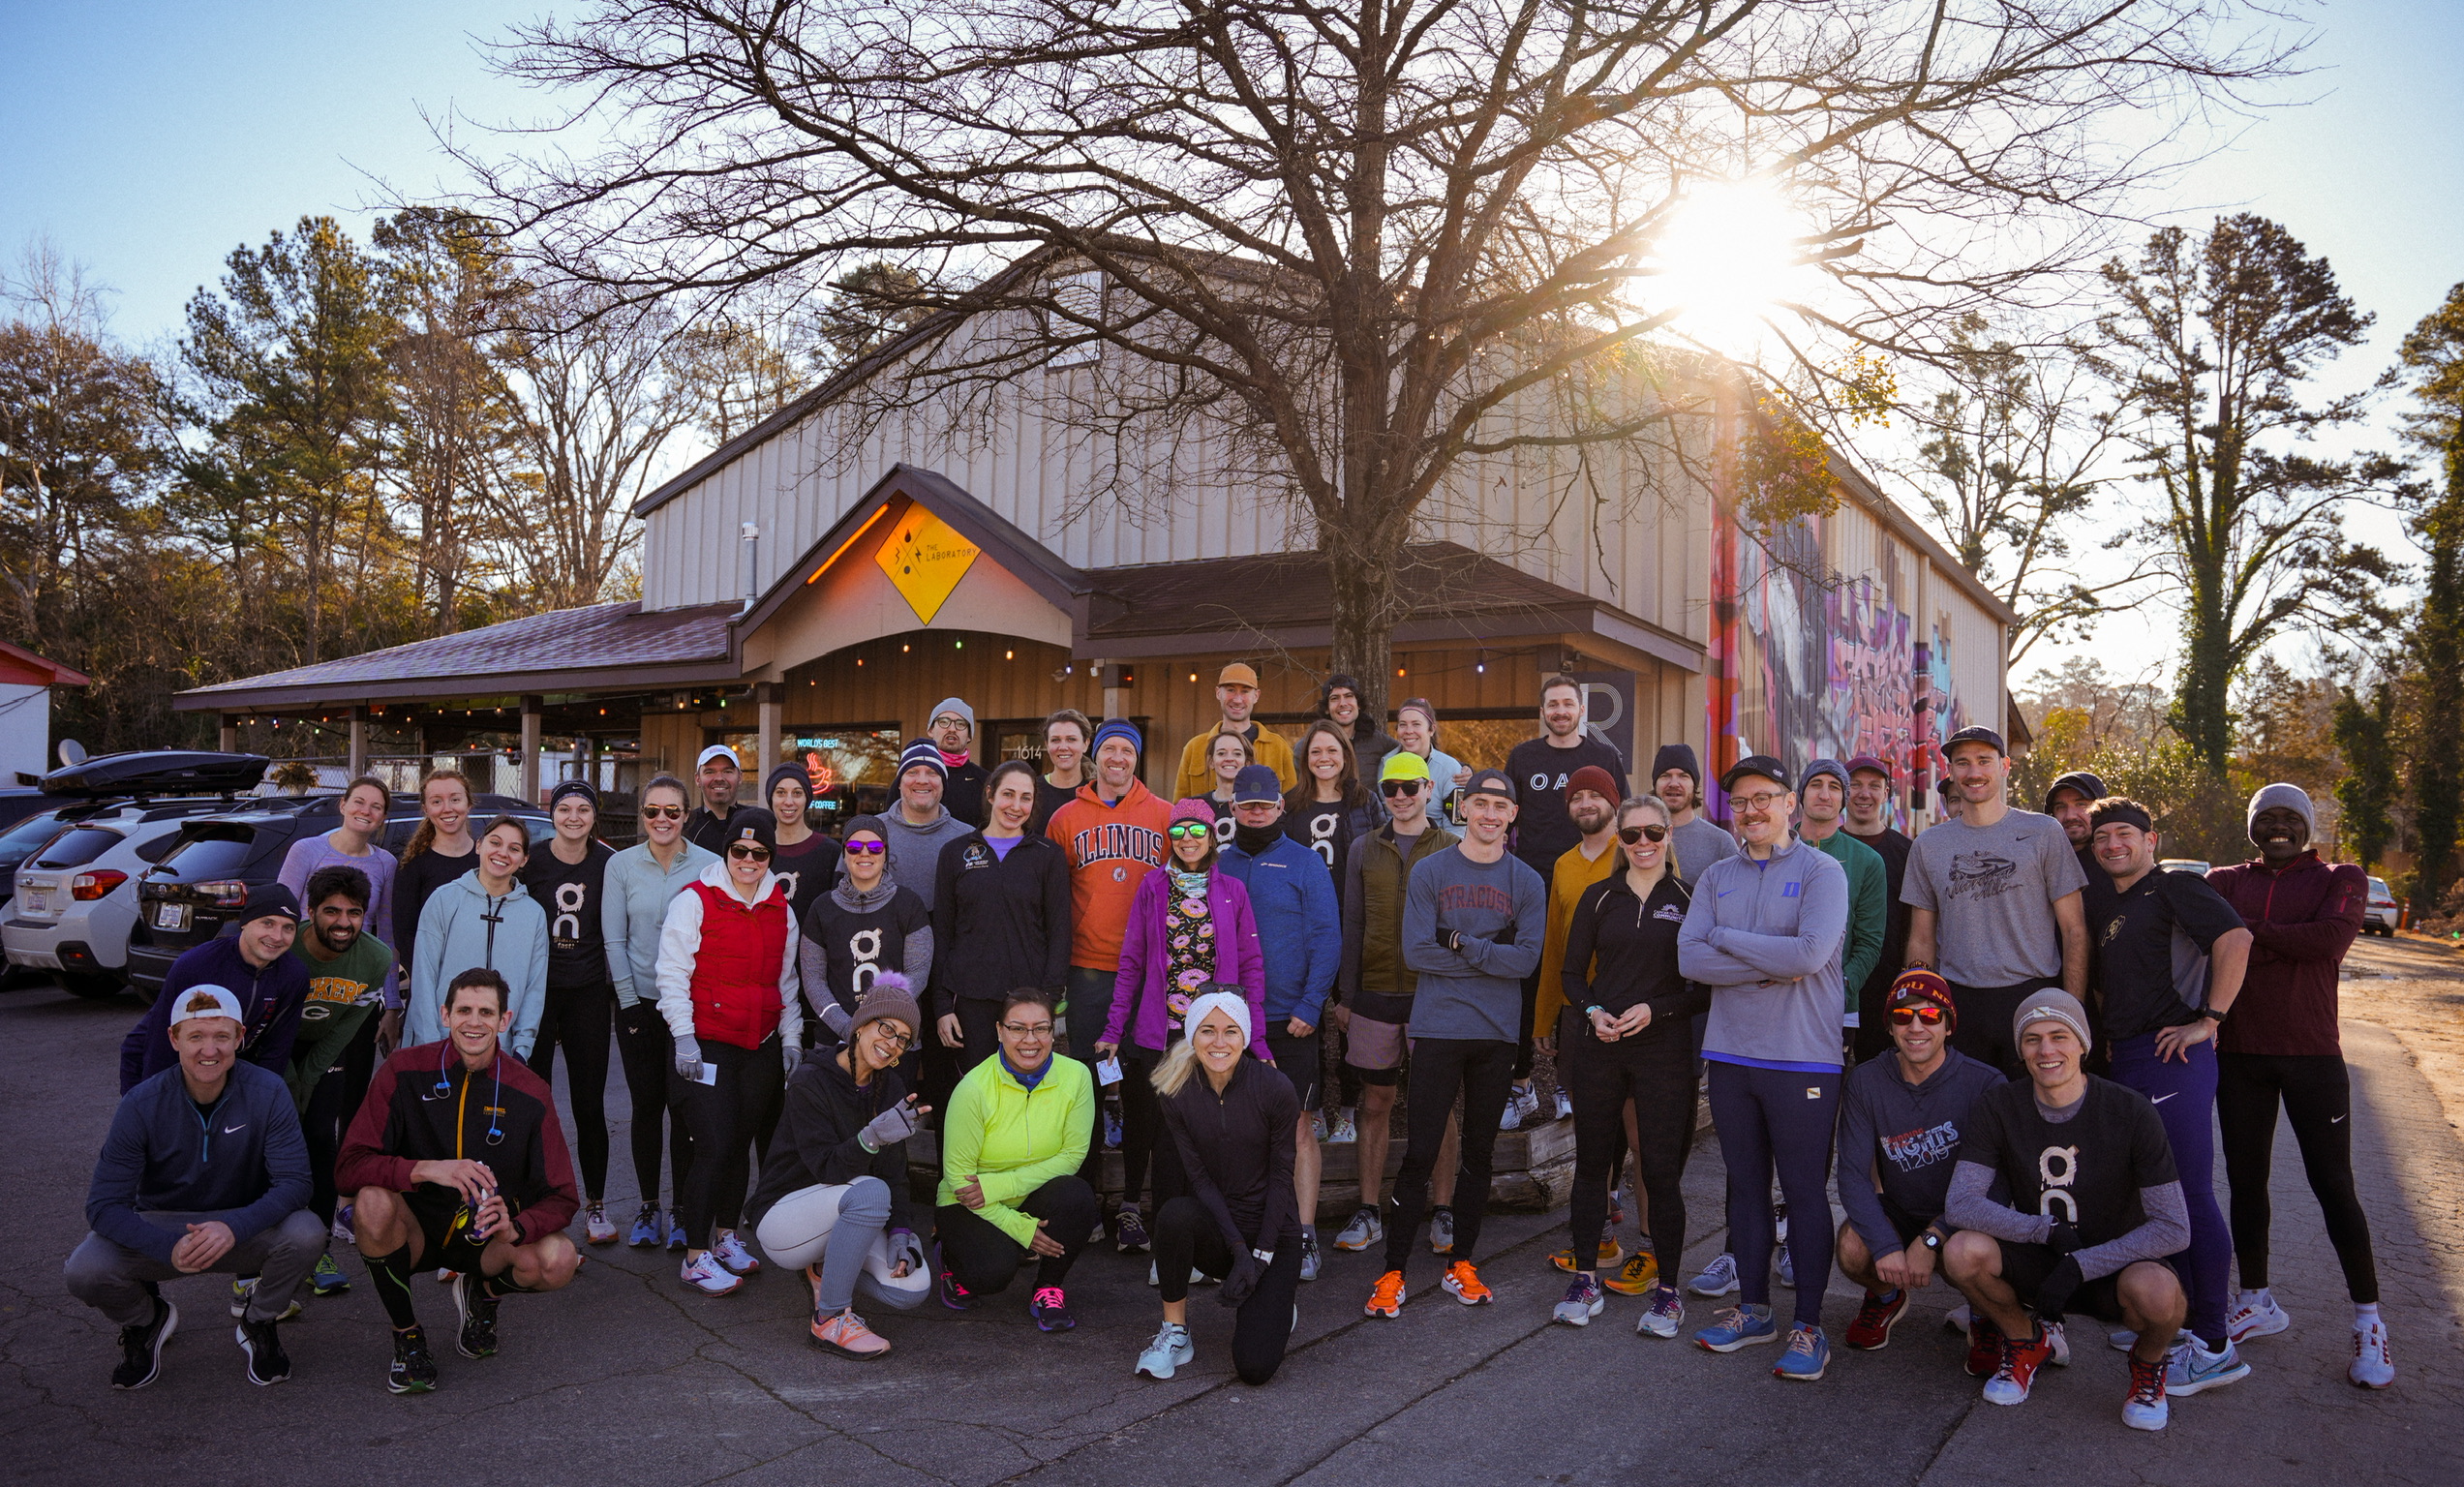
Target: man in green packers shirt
{"points": [[348, 972]]}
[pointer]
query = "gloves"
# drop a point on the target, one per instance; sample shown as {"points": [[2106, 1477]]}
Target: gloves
{"points": [[889, 1127], [1243, 1280], [689, 1057], [2063, 1238], [835, 1019], [791, 1055], [904, 1245], [2054, 1292]]}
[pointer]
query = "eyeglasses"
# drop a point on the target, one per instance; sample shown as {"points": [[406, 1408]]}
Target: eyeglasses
{"points": [[1931, 1016], [1184, 830], [1397, 789], [867, 848], [1027, 1030], [1631, 834], [899, 1041], [746, 852], [1761, 801], [662, 812]]}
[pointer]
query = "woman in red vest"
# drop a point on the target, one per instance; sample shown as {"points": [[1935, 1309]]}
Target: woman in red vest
{"points": [[727, 988]]}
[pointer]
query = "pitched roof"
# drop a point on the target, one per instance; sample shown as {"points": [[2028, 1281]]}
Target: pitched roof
{"points": [[23, 668]]}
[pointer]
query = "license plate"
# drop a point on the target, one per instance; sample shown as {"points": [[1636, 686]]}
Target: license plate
{"points": [[34, 903], [170, 916]]}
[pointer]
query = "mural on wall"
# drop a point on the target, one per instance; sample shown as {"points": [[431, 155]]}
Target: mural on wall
{"points": [[1807, 665]]}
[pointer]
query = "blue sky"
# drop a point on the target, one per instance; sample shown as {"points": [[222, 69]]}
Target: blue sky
{"points": [[147, 139]]}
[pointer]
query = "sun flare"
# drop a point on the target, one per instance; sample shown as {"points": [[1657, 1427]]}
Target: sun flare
{"points": [[1729, 254]]}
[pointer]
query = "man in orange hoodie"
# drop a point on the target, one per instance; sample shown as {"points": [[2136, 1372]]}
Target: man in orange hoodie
{"points": [[1113, 835]]}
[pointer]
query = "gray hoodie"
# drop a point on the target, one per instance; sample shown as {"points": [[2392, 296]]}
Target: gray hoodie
{"points": [[1765, 935], [462, 926], [915, 851]]}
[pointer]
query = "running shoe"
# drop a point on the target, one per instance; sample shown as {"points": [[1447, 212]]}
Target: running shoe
{"points": [[1665, 1316], [341, 1231], [1317, 1126], [2371, 1367], [2016, 1372], [268, 1363], [1806, 1356], [1365, 1229], [732, 1253], [2144, 1408], [707, 1276], [478, 1313], [1311, 1262], [1130, 1234], [1050, 1309], [954, 1295], [1343, 1130], [1787, 1267], [1464, 1284], [1870, 1332], [845, 1334], [2058, 1340], [1386, 1298], [2255, 1315], [1958, 1316], [1639, 1274], [676, 1232], [1719, 1278], [328, 1279], [1611, 1253], [448, 1277], [244, 1289], [1616, 1207], [1511, 1117], [1564, 1107], [1170, 1350], [647, 1228], [2123, 1339], [1441, 1230], [1112, 1133], [1584, 1300], [1739, 1326], [596, 1227], [1984, 1346], [141, 1348], [414, 1368], [2191, 1368]]}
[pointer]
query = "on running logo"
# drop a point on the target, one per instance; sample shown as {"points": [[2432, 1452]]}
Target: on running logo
{"points": [[2056, 1170], [864, 946], [570, 899]]}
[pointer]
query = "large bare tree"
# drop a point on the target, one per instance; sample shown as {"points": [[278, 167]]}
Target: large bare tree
{"points": [[1366, 236]]}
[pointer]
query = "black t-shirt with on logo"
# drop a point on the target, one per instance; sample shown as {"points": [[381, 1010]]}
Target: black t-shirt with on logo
{"points": [[2087, 1170], [1542, 830], [858, 945], [574, 895]]}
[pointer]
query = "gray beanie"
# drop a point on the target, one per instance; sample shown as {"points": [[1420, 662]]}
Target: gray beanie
{"points": [[2292, 798], [2052, 1004]]}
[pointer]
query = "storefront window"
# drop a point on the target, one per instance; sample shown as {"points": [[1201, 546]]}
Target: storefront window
{"points": [[851, 767]]}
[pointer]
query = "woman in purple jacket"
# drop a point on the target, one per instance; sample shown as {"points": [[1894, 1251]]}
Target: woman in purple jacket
{"points": [[1189, 928]]}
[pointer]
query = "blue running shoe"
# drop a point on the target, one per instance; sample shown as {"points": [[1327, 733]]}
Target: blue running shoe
{"points": [[647, 1228], [1808, 1355], [328, 1279], [1739, 1326], [676, 1230]]}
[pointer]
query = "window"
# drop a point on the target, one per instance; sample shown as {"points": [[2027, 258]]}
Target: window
{"points": [[851, 765], [204, 852], [75, 847]]}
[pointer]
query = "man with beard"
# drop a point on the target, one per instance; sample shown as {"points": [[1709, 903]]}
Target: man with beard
{"points": [[2067, 802], [719, 777], [348, 972]]}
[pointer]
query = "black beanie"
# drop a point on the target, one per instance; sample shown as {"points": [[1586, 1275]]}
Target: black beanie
{"points": [[1677, 756]]}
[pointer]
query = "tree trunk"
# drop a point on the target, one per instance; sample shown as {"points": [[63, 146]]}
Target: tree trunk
{"points": [[2438, 773], [1365, 609]]}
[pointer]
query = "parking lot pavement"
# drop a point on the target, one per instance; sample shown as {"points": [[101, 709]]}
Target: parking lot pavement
{"points": [[627, 1378]]}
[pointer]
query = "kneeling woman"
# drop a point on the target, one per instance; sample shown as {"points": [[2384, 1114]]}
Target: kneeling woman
{"points": [[833, 1188], [1012, 1143], [1233, 1122]]}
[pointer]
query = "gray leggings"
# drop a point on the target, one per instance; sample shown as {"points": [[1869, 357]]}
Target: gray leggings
{"points": [[842, 1225]]}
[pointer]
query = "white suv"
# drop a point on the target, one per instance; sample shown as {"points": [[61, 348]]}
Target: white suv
{"points": [[2382, 916], [75, 895]]}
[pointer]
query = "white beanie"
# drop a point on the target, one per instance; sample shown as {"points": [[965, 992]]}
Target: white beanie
{"points": [[2292, 798], [1235, 1002]]}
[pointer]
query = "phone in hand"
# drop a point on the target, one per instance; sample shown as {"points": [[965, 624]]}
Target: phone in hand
{"points": [[706, 1073]]}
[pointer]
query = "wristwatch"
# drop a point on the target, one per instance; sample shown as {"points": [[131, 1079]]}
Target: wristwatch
{"points": [[1931, 1240], [2216, 1014], [1263, 1257]]}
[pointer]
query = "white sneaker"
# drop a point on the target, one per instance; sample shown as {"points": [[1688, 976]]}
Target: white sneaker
{"points": [[1719, 1278], [1959, 1319], [2253, 1316], [1317, 1126], [707, 1276], [2372, 1367], [2191, 1368], [1564, 1107], [732, 1253], [342, 1231], [1341, 1130], [1170, 1349], [2059, 1341], [596, 1227]]}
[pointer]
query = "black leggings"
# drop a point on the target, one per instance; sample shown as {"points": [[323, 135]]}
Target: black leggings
{"points": [[641, 1038], [1187, 1235], [2316, 1094], [985, 1260], [726, 1118], [331, 1105], [1482, 1071], [1983, 1033], [580, 1019], [1143, 1135], [1655, 1070]]}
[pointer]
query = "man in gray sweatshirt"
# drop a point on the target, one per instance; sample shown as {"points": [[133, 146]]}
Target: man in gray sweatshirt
{"points": [[918, 826], [1474, 918], [1765, 932]]}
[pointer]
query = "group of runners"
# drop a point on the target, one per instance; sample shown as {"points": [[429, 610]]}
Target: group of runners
{"points": [[2009, 1035]]}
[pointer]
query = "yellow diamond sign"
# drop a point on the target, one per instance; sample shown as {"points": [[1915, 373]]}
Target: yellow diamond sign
{"points": [[925, 557]]}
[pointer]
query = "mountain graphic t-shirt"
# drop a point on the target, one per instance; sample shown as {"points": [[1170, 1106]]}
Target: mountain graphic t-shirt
{"points": [[1992, 890]]}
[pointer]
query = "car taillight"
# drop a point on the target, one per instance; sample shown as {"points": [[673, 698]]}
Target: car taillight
{"points": [[225, 893], [86, 887]]}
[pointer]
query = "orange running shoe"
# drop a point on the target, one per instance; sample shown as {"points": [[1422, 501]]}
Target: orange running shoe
{"points": [[1464, 1284], [1386, 1300], [1637, 1277], [1610, 1252]]}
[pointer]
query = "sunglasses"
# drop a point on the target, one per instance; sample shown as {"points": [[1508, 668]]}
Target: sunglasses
{"points": [[1631, 834], [1396, 789], [662, 812], [1930, 1016], [867, 848], [744, 851], [1186, 830]]}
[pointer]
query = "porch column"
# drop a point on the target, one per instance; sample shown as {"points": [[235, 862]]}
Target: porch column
{"points": [[772, 710], [531, 704], [1115, 694], [228, 740], [359, 742]]}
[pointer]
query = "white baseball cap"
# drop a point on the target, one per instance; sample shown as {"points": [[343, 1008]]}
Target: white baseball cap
{"points": [[716, 751], [207, 1002]]}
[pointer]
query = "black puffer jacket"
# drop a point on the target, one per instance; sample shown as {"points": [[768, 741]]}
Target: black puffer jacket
{"points": [[816, 1141]]}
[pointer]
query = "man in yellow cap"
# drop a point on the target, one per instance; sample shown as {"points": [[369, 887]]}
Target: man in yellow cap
{"points": [[1236, 694]]}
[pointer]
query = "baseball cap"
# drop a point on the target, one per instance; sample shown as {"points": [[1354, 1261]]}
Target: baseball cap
{"points": [[1489, 783], [715, 751], [1257, 783], [203, 1001], [1237, 674], [1403, 764], [1975, 732], [1763, 765]]}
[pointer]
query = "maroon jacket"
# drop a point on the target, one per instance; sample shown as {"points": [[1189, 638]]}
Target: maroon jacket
{"points": [[2302, 920], [424, 1107]]}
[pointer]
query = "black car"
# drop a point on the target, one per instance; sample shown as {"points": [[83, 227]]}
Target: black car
{"points": [[201, 886]]}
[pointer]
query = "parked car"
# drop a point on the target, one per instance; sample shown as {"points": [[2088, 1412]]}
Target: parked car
{"points": [[19, 802], [2183, 864], [75, 897], [200, 886], [2382, 916]]}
